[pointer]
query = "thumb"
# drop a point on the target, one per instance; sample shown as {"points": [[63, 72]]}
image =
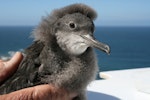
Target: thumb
{"points": [[14, 61], [9, 67]]}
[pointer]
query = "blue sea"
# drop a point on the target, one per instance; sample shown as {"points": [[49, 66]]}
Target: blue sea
{"points": [[130, 46]]}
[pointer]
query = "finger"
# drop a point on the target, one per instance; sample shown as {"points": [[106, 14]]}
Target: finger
{"points": [[9, 67], [12, 65], [49, 92], [41, 92], [24, 94], [14, 61]]}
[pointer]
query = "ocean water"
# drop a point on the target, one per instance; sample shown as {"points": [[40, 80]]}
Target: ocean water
{"points": [[130, 46]]}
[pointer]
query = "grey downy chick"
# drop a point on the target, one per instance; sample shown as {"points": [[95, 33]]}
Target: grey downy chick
{"points": [[61, 54]]}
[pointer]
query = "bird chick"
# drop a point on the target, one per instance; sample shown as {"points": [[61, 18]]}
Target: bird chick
{"points": [[62, 52]]}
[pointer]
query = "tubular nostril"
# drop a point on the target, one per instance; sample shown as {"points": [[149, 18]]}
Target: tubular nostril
{"points": [[107, 49]]}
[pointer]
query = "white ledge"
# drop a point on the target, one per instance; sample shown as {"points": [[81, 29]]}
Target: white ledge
{"points": [[120, 85]]}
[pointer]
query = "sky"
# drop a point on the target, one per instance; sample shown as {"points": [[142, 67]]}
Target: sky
{"points": [[110, 12]]}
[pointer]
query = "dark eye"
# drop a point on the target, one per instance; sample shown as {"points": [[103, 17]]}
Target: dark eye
{"points": [[72, 25]]}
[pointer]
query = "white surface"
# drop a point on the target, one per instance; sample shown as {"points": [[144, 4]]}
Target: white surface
{"points": [[118, 85]]}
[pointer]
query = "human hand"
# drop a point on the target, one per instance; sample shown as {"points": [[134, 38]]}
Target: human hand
{"points": [[41, 92]]}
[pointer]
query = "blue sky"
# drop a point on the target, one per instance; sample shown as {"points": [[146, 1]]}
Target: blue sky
{"points": [[110, 12]]}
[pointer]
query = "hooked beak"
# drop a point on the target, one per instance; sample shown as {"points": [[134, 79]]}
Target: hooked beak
{"points": [[93, 42]]}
